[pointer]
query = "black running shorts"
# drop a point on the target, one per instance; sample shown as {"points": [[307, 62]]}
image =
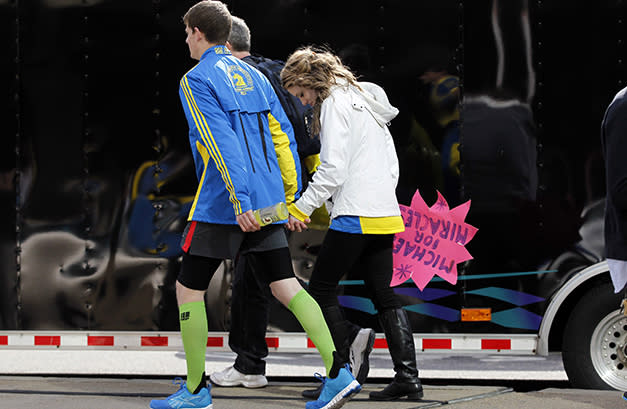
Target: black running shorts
{"points": [[206, 245]]}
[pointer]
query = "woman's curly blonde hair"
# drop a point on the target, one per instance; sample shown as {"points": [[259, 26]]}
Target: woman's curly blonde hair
{"points": [[316, 69]]}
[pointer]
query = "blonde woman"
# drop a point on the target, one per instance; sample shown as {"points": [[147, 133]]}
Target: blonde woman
{"points": [[358, 173]]}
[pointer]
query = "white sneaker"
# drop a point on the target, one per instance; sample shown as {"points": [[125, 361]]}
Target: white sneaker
{"points": [[232, 377], [359, 351]]}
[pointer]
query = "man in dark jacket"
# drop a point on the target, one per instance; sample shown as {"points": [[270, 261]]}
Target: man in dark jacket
{"points": [[297, 113], [250, 298], [614, 144]]}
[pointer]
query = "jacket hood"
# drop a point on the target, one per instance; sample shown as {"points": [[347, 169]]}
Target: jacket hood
{"points": [[378, 104]]}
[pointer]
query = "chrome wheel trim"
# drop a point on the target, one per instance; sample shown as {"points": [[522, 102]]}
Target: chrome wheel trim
{"points": [[607, 350]]}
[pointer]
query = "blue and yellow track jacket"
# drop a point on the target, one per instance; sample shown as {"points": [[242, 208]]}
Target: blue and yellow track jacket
{"points": [[243, 144]]}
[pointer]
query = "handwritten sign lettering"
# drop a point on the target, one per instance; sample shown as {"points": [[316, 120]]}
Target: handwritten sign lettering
{"points": [[432, 243]]}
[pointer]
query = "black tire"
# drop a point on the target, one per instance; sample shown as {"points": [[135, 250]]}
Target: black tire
{"points": [[597, 306]]}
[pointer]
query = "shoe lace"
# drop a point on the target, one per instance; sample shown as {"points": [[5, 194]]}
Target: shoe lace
{"points": [[178, 381], [321, 378]]}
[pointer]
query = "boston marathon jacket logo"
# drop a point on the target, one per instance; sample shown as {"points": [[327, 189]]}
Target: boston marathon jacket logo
{"points": [[184, 315], [241, 80]]}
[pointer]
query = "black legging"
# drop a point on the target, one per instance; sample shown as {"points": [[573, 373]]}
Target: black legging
{"points": [[344, 252]]}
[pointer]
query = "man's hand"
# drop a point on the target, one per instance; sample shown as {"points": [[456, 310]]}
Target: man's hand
{"points": [[296, 225], [247, 222]]}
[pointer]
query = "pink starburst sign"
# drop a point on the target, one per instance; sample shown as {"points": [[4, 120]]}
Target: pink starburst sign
{"points": [[432, 243]]}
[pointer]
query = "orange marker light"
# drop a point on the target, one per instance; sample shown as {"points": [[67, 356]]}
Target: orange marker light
{"points": [[476, 314]]}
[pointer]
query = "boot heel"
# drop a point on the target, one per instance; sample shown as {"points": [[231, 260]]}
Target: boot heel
{"points": [[415, 396]]}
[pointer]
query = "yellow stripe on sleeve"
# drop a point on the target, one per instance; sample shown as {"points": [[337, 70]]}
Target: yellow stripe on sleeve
{"points": [[285, 158], [296, 212], [203, 129], [197, 115], [208, 136]]}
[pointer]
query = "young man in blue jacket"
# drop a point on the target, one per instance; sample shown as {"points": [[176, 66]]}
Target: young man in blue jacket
{"points": [[245, 158]]}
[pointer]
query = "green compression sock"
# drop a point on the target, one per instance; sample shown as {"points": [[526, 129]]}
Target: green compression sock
{"points": [[194, 332], [308, 313]]}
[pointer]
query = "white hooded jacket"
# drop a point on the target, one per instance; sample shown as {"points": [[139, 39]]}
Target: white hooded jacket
{"points": [[358, 167]]}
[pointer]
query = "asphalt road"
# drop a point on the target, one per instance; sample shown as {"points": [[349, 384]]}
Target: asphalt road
{"points": [[466, 381], [99, 393]]}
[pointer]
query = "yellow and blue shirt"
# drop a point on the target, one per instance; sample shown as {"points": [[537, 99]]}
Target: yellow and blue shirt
{"points": [[368, 225]]}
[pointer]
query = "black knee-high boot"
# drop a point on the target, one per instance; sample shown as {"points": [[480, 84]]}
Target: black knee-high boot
{"points": [[401, 345]]}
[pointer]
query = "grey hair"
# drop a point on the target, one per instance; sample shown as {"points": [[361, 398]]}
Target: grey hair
{"points": [[240, 35]]}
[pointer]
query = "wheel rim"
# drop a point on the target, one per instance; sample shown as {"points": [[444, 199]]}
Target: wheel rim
{"points": [[608, 350]]}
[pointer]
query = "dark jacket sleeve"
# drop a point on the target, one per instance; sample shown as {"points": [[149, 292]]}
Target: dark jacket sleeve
{"points": [[297, 113], [614, 132]]}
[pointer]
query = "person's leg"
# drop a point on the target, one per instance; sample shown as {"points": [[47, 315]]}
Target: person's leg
{"points": [[399, 336], [340, 384], [291, 294], [249, 320], [193, 323], [361, 340], [339, 253], [269, 257], [354, 274], [253, 302], [196, 273], [394, 322], [193, 280], [377, 267]]}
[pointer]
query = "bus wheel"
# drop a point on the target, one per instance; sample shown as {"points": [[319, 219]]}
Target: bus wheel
{"points": [[594, 347]]}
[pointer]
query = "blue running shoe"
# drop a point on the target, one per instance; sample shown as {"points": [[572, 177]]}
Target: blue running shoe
{"points": [[184, 399], [336, 391], [625, 395]]}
